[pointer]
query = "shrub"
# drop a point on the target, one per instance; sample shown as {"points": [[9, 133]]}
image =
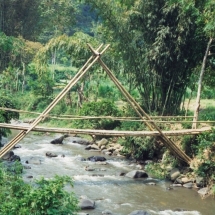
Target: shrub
{"points": [[140, 148], [205, 153], [44, 197], [5, 116], [100, 108]]}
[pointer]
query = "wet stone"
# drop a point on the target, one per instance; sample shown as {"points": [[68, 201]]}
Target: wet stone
{"points": [[188, 185]]}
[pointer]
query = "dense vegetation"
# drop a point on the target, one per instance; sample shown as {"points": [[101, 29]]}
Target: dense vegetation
{"points": [[157, 49], [44, 196]]}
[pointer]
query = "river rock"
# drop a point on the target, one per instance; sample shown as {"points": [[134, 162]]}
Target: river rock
{"points": [[139, 212], [96, 158], [102, 142], [203, 192], [82, 142], [137, 174], [108, 153], [8, 155], [94, 146], [88, 147], [86, 204], [121, 173], [14, 158], [59, 140], [17, 147], [174, 173], [199, 181], [111, 149], [51, 155], [188, 185], [103, 147]]}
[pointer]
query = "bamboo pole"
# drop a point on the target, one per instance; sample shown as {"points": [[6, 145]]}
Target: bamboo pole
{"points": [[50, 115], [74, 80]]}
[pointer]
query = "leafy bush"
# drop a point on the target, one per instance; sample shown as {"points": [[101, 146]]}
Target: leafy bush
{"points": [[39, 103], [205, 153], [100, 108], [207, 114], [6, 101], [140, 148], [44, 197], [156, 170]]}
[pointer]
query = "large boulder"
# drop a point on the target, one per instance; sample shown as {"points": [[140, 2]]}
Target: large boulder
{"points": [[137, 174], [174, 173], [102, 142], [59, 140], [86, 203], [8, 155], [96, 158], [203, 192]]}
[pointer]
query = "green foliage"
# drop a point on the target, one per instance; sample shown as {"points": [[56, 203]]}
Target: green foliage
{"points": [[6, 101], [207, 113], [107, 91], [96, 109], [43, 197], [41, 85], [208, 93], [157, 170], [205, 154], [188, 144], [157, 45], [139, 148]]}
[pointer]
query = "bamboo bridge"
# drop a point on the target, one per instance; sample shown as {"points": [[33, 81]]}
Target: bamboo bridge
{"points": [[154, 129]]}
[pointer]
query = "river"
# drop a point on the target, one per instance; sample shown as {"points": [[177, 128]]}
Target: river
{"points": [[119, 194]]}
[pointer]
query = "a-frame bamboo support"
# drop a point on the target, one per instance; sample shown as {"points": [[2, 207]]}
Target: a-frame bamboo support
{"points": [[97, 57], [74, 80]]}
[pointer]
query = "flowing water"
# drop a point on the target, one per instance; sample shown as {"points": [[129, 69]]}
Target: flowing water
{"points": [[119, 194]]}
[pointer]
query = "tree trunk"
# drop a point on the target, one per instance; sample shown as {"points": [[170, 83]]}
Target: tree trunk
{"points": [[196, 111], [23, 76], [53, 63]]}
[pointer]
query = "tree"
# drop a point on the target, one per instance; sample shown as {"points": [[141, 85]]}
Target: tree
{"points": [[30, 19], [207, 14], [157, 45]]}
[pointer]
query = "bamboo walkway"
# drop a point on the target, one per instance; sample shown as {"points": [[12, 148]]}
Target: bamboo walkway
{"points": [[106, 132]]}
